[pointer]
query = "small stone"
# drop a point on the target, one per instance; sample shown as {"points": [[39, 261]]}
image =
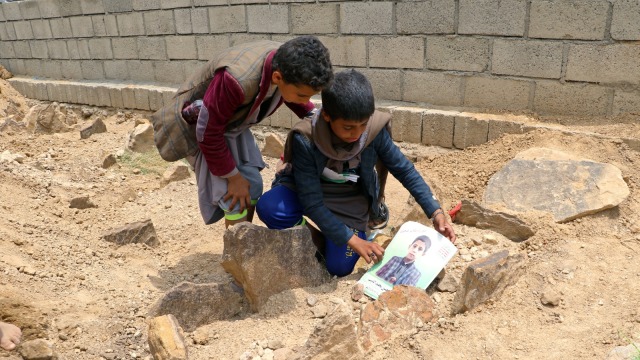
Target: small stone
{"points": [[319, 311], [550, 298], [357, 292], [312, 300]]}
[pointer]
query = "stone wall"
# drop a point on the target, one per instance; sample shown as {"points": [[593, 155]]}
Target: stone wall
{"points": [[547, 57]]}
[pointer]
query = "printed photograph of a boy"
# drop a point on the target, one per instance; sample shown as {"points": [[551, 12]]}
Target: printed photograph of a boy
{"points": [[403, 270]]}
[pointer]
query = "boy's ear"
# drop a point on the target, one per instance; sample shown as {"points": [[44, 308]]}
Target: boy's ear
{"points": [[276, 77], [325, 116]]}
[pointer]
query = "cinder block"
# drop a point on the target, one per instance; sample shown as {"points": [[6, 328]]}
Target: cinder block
{"points": [[105, 25], [146, 4], [17, 66], [159, 22], [11, 11], [366, 18], [39, 49], [496, 93], [626, 102], [128, 97], [41, 91], [29, 89], [83, 49], [570, 99], [498, 128], [130, 24], [69, 7], [169, 72], [92, 7], [29, 9], [125, 48], [92, 70], [541, 59], [585, 20], [407, 124], [71, 70], [104, 99], [314, 18], [71, 92], [172, 4], [433, 88], [183, 21], [4, 36], [18, 85], [181, 47], [155, 99], [268, 19], [386, 84], [22, 49], [490, 17], [115, 95], [461, 53], [81, 26], [141, 97], [52, 69], [41, 29], [100, 48], [396, 52], [437, 129], [200, 21], [53, 92], [152, 48], [168, 95], [209, 2], [140, 70], [35, 67], [426, 17], [61, 28], [227, 19], [469, 132], [587, 63], [209, 45], [116, 69], [282, 118], [49, 8], [348, 51], [6, 49], [23, 30], [117, 6], [624, 22], [2, 17], [90, 96]]}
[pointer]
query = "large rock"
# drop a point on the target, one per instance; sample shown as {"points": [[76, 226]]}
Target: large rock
{"points": [[397, 312], [266, 262], [199, 304], [137, 232], [175, 172], [487, 278], [273, 146], [334, 338], [555, 182], [166, 339], [95, 127], [49, 118], [141, 139], [473, 214], [38, 349]]}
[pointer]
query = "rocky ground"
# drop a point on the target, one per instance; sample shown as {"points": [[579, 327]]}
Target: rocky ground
{"points": [[90, 298]]}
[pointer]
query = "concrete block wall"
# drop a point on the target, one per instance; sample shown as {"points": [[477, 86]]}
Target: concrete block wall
{"points": [[568, 57]]}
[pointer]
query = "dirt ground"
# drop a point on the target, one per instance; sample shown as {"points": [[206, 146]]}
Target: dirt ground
{"points": [[59, 281]]}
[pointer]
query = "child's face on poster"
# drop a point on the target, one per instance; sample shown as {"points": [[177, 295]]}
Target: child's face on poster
{"points": [[416, 250]]}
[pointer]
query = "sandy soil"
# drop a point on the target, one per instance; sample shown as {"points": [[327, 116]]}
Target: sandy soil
{"points": [[90, 298]]}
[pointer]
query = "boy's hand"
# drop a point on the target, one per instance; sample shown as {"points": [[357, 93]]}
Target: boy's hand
{"points": [[238, 191], [441, 225], [369, 250]]}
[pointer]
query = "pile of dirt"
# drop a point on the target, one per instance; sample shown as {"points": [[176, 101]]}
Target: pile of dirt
{"points": [[90, 298]]}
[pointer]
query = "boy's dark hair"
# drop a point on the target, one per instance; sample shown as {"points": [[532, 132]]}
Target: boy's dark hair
{"points": [[304, 61], [349, 97]]}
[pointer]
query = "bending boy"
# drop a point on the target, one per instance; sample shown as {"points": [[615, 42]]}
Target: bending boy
{"points": [[331, 178], [246, 84]]}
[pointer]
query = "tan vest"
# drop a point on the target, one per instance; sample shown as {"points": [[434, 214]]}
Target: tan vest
{"points": [[174, 137]]}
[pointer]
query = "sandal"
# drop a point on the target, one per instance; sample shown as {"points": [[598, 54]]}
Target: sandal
{"points": [[380, 221]]}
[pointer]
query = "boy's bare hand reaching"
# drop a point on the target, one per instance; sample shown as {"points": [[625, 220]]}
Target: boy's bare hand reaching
{"points": [[442, 225], [369, 250], [238, 189]]}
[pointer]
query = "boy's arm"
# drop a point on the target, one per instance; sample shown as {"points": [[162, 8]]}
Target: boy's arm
{"points": [[301, 110]]}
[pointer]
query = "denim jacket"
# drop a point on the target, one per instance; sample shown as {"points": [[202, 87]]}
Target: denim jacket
{"points": [[308, 163]]}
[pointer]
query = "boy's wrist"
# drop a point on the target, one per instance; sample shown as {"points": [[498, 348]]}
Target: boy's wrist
{"points": [[436, 213]]}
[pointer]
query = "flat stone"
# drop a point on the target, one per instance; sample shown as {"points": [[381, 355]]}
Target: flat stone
{"points": [[273, 146], [266, 262], [175, 172], [133, 233], [487, 278], [141, 138], [195, 305], [38, 349], [474, 214], [95, 127], [555, 182], [334, 338]]}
